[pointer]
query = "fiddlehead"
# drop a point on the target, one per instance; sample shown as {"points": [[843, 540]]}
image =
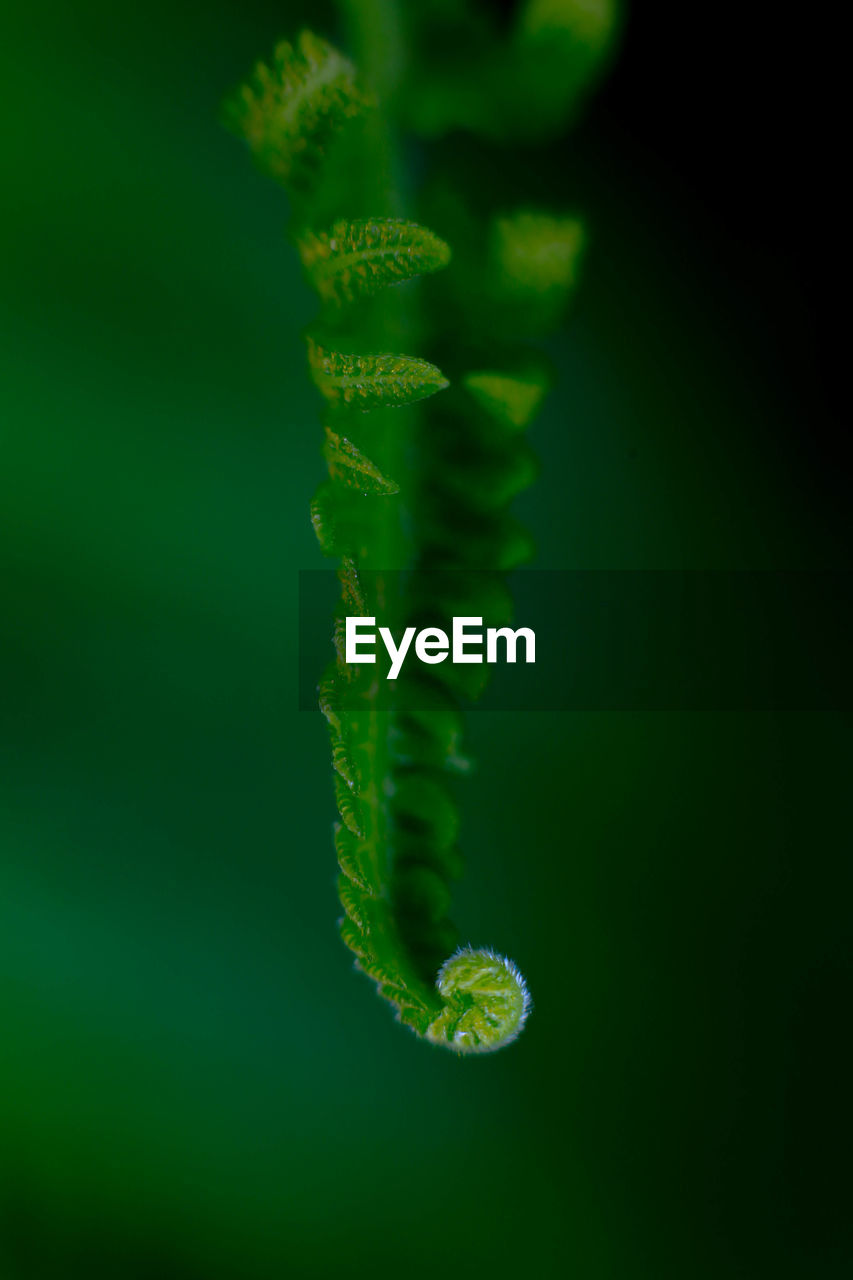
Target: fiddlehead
{"points": [[396, 840], [486, 1002]]}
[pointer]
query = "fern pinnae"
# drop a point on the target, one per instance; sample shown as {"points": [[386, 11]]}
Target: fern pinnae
{"points": [[354, 469], [343, 765], [346, 848], [349, 807], [352, 594], [289, 112], [367, 382], [359, 258], [510, 399]]}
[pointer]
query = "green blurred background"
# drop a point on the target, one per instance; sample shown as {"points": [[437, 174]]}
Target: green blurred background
{"points": [[193, 1083]]}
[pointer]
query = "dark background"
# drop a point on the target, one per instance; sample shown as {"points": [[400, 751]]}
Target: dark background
{"points": [[192, 1080], [741, 113]]}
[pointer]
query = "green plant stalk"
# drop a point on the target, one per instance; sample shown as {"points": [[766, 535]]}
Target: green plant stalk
{"points": [[375, 37]]}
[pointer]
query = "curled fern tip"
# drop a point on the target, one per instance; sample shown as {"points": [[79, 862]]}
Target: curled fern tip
{"points": [[486, 1002]]}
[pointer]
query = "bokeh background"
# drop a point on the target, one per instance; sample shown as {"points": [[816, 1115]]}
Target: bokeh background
{"points": [[193, 1083]]}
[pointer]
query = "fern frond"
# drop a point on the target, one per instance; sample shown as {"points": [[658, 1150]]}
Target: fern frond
{"points": [[396, 841], [372, 381], [289, 111], [329, 700], [355, 901], [359, 258]]}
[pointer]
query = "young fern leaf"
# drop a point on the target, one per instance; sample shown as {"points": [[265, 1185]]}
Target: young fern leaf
{"points": [[534, 264], [349, 465], [324, 518], [372, 381], [513, 400], [535, 253], [396, 841], [289, 112], [359, 258], [486, 1002], [340, 519]]}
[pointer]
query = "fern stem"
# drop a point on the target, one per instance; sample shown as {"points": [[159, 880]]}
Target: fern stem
{"points": [[375, 34], [375, 31]]}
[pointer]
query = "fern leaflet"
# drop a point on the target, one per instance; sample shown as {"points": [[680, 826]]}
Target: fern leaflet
{"points": [[359, 258], [372, 381], [348, 464], [289, 112], [514, 401]]}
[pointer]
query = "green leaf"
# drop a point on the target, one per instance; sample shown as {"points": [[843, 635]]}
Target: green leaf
{"points": [[354, 901], [397, 840], [324, 518], [340, 520], [513, 400], [373, 381], [346, 847], [348, 807], [352, 596], [534, 263], [289, 112], [343, 765], [349, 465], [359, 258]]}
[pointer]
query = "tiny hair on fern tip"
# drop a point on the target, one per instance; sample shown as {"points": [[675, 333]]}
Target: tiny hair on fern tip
{"points": [[421, 472]]}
